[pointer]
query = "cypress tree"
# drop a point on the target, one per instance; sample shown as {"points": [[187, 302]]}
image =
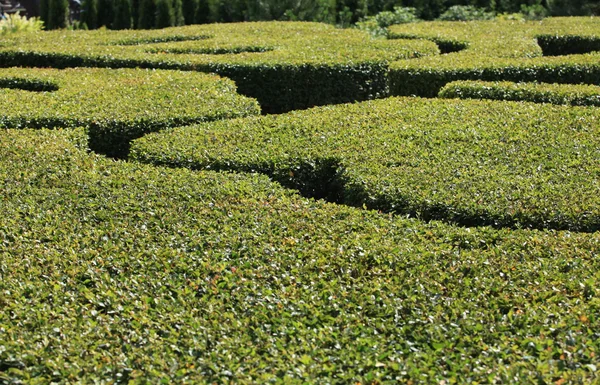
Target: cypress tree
{"points": [[122, 18], [135, 13], [164, 14], [58, 14], [44, 8], [189, 11], [147, 14], [105, 13], [178, 13], [202, 12], [89, 13]]}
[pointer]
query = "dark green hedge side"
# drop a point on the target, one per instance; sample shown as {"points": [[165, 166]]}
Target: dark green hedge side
{"points": [[469, 162], [285, 66], [558, 45], [428, 81], [117, 106]]}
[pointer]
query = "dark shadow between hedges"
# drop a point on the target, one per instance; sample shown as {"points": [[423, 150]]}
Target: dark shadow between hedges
{"points": [[326, 179]]}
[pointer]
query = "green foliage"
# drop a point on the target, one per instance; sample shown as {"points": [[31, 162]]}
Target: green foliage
{"points": [[89, 13], [15, 23], [123, 18], [116, 105], [57, 14], [576, 95], [178, 17], [284, 65], [120, 272], [377, 25], [147, 14], [202, 12], [465, 13], [165, 17], [469, 162], [501, 50], [106, 13], [189, 9]]}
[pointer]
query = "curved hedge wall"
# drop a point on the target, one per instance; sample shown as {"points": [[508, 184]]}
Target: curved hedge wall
{"points": [[469, 162], [117, 272], [501, 51], [116, 106], [284, 65]]}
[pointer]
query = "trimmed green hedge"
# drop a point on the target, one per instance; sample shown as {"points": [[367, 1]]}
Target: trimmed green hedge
{"points": [[468, 162], [117, 272], [285, 66], [117, 106], [576, 95], [501, 51]]}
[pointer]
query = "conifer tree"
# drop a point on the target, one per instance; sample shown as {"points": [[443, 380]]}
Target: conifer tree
{"points": [[58, 14], [189, 11], [89, 13], [178, 18], [202, 12], [147, 14], [106, 13], [44, 8], [164, 14], [122, 18]]}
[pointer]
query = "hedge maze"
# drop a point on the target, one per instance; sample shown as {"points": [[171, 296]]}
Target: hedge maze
{"points": [[400, 240]]}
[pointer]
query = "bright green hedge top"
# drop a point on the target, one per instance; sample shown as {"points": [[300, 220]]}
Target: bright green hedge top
{"points": [[499, 38], [570, 94], [117, 272], [116, 105], [207, 46], [501, 50], [470, 162]]}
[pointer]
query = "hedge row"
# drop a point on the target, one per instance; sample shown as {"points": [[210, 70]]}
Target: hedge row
{"points": [[116, 106], [468, 162], [284, 65], [501, 51], [127, 273], [576, 95]]}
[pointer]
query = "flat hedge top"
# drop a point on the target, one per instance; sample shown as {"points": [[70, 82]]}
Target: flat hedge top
{"points": [[470, 162], [86, 96], [112, 272], [569, 94], [262, 43], [498, 42]]}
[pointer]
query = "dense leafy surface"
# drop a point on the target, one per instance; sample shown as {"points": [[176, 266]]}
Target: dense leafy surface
{"points": [[500, 50], [113, 272], [283, 65], [116, 105], [570, 94], [471, 162]]}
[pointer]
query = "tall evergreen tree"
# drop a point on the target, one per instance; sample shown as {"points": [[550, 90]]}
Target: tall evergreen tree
{"points": [[89, 13], [189, 11], [106, 13], [178, 18], [135, 13], [147, 14], [202, 12], [44, 8], [58, 14], [164, 14], [122, 18]]}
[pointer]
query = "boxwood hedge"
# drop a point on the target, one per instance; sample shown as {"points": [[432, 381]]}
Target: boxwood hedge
{"points": [[571, 94], [501, 51], [284, 65], [116, 105], [469, 162], [125, 273]]}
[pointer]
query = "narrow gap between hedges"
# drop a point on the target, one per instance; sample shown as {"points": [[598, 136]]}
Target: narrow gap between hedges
{"points": [[553, 45]]}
